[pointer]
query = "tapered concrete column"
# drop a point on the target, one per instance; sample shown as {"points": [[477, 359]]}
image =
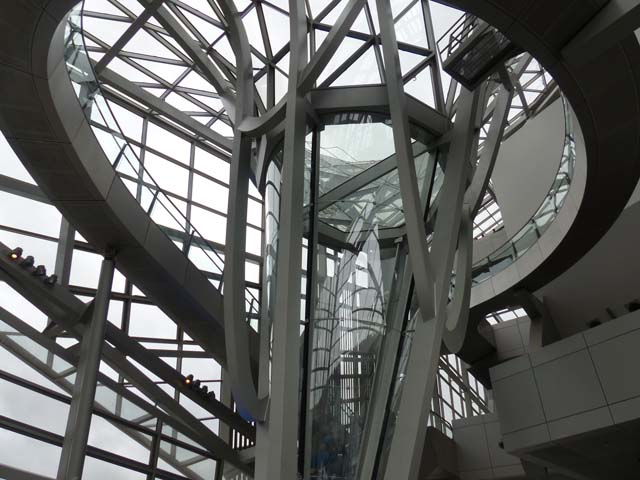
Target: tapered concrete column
{"points": [[84, 390]]}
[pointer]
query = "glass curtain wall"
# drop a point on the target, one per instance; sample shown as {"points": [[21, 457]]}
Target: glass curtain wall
{"points": [[38, 371], [351, 197]]}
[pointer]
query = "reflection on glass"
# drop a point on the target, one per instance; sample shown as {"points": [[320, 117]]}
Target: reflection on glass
{"points": [[398, 385], [348, 328], [352, 284], [359, 195], [355, 144], [272, 198]]}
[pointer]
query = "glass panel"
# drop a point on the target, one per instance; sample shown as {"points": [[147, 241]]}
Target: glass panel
{"points": [[348, 329], [501, 259], [405, 349], [26, 453], [28, 215], [384, 193], [29, 407], [353, 276], [168, 161], [353, 144], [94, 468], [352, 288], [119, 440], [525, 239]]}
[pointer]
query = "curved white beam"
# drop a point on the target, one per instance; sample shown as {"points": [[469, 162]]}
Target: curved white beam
{"points": [[240, 374], [279, 435]]}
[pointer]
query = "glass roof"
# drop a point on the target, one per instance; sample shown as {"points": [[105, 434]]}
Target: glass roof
{"points": [[192, 169], [352, 143], [355, 144], [154, 58]]}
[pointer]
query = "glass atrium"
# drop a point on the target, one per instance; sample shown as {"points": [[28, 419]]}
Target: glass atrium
{"points": [[280, 239]]}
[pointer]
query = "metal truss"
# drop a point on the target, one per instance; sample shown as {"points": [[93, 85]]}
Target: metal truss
{"points": [[238, 80], [184, 105], [25, 343], [68, 311]]}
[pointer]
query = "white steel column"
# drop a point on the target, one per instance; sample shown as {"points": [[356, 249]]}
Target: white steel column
{"points": [[283, 416], [396, 313], [431, 284], [408, 441], [84, 389]]}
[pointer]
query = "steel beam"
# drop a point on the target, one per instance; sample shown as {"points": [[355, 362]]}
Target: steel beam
{"points": [[60, 304], [461, 149], [283, 418], [436, 76], [9, 472], [411, 204], [457, 316], [357, 182], [84, 389], [330, 45], [67, 355], [482, 174], [64, 253], [128, 34], [129, 88], [457, 313], [196, 53], [23, 189], [236, 328], [315, 270], [408, 441]]}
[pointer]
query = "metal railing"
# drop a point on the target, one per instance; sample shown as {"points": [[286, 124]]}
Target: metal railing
{"points": [[454, 38], [472, 49], [538, 224]]}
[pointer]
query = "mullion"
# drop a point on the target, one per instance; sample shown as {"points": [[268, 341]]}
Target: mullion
{"points": [[198, 13]]}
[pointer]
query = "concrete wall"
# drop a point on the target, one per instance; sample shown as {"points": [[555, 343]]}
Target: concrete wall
{"points": [[578, 395], [551, 239], [512, 337], [527, 165], [606, 277], [479, 454]]}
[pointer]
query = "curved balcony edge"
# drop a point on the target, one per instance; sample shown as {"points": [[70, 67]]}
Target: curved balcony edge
{"points": [[610, 126]]}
